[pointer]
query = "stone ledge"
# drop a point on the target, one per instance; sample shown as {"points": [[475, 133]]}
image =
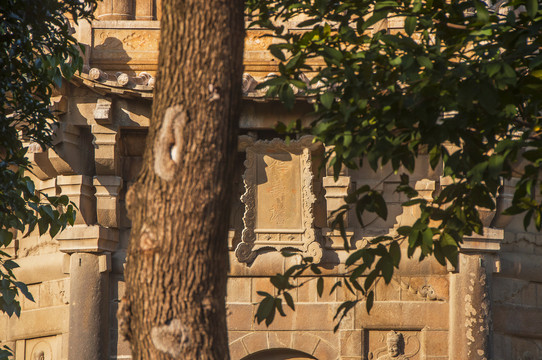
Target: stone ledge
{"points": [[36, 269], [82, 238], [37, 323]]}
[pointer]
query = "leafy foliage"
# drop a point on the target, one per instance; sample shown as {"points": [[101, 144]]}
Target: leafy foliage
{"points": [[36, 51], [461, 83]]}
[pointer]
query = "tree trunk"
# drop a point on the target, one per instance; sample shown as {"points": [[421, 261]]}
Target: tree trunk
{"points": [[177, 263]]}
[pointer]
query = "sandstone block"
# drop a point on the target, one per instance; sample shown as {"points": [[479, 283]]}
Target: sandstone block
{"points": [[239, 290], [81, 238], [107, 200], [350, 343], [79, 189], [255, 341]]}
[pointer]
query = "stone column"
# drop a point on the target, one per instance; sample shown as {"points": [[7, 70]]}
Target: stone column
{"points": [[90, 263], [144, 9], [470, 302], [89, 287], [115, 10]]}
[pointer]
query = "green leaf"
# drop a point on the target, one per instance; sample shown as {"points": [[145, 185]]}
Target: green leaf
{"points": [[395, 252], [387, 268], [320, 286], [5, 237], [425, 62], [43, 225], [289, 300], [355, 256], [24, 289], [532, 8], [371, 277], [335, 286], [10, 265], [266, 307], [278, 306], [376, 17], [380, 206], [334, 53], [370, 301], [277, 52], [410, 25], [481, 11], [417, 6], [327, 99], [286, 95]]}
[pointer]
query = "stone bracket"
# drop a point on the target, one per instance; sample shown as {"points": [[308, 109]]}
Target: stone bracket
{"points": [[104, 262], [79, 189], [107, 200], [490, 242], [106, 154], [103, 113], [336, 191]]}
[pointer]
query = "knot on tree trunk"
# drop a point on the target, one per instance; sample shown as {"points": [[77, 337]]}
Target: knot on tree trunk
{"points": [[168, 145], [171, 338]]}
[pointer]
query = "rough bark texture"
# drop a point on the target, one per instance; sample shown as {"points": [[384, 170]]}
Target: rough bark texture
{"points": [[177, 261]]}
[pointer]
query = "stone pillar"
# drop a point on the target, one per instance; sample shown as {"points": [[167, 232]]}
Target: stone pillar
{"points": [[335, 191], [470, 301], [115, 10], [106, 151], [144, 10], [89, 287]]}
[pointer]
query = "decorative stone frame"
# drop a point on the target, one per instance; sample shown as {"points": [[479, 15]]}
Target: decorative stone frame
{"points": [[305, 237]]}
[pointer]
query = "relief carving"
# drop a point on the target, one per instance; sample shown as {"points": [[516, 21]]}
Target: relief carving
{"points": [[393, 345], [124, 44], [42, 350], [279, 199]]}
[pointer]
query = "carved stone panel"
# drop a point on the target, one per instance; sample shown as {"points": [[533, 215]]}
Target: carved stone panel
{"points": [[279, 199], [392, 345], [45, 348]]}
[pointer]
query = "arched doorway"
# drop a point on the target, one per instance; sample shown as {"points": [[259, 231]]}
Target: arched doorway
{"points": [[279, 354]]}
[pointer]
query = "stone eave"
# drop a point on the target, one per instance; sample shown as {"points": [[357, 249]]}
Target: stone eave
{"points": [[142, 86]]}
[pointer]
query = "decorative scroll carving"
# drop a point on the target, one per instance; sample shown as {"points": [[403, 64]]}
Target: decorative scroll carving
{"points": [[279, 199]]}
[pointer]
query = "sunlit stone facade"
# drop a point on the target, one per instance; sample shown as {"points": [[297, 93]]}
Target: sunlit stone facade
{"points": [[489, 307]]}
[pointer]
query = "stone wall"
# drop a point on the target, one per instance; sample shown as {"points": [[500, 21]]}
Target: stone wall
{"points": [[489, 307]]}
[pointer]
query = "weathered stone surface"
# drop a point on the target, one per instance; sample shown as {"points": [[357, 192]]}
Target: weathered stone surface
{"points": [[107, 200], [79, 190], [81, 238], [443, 312], [239, 290], [37, 269], [39, 322]]}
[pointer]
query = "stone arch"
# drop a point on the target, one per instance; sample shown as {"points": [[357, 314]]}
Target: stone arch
{"points": [[279, 354], [267, 345]]}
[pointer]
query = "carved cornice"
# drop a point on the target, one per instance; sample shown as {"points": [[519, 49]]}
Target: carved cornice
{"points": [[142, 85]]}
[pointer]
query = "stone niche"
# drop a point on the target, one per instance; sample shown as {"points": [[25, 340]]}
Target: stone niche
{"points": [[392, 345], [44, 348], [279, 199]]}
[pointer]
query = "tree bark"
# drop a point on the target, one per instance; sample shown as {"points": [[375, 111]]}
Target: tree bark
{"points": [[177, 261]]}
